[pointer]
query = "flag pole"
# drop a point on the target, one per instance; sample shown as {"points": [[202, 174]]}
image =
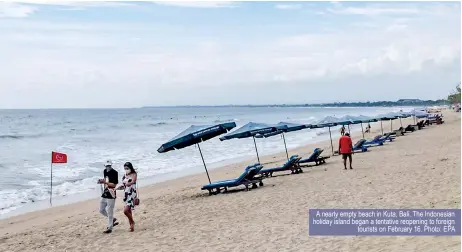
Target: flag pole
{"points": [[51, 178]]}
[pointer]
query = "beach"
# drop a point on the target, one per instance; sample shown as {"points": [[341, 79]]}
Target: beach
{"points": [[91, 136], [418, 170]]}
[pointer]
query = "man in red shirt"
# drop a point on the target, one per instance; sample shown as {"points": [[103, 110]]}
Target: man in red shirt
{"points": [[345, 147]]}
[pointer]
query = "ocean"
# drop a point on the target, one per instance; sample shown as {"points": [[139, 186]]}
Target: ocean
{"points": [[91, 136]]}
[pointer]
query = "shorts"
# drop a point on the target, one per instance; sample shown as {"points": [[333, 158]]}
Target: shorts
{"points": [[345, 155]]}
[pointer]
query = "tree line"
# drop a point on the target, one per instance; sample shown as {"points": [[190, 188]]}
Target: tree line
{"points": [[454, 97]]}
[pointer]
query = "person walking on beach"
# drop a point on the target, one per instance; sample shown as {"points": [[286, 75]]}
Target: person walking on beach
{"points": [[345, 147], [130, 190], [107, 203], [342, 130]]}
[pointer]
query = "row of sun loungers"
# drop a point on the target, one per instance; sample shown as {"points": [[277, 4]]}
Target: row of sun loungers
{"points": [[254, 174]]}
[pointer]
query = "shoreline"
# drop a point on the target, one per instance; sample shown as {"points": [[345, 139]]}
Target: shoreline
{"points": [[148, 181], [419, 170], [85, 197]]}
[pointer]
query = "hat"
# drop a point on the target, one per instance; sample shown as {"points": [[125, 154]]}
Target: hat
{"points": [[108, 163]]}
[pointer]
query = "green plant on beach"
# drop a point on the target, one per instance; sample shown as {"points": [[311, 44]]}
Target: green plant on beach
{"points": [[455, 96]]}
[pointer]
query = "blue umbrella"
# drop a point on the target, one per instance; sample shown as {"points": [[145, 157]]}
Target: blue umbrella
{"points": [[284, 128], [195, 135], [392, 116], [416, 113], [251, 129], [329, 122], [359, 120], [389, 116]]}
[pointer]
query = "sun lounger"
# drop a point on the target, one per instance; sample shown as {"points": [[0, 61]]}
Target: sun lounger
{"points": [[249, 176], [376, 141], [315, 157], [387, 137], [359, 146], [291, 165], [421, 124], [411, 128], [400, 131]]}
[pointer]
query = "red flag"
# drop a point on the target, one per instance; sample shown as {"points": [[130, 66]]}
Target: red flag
{"points": [[58, 158]]}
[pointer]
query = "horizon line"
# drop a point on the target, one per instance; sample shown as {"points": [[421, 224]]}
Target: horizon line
{"points": [[327, 104]]}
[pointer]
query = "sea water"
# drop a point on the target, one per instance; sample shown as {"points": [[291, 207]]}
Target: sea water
{"points": [[91, 136]]}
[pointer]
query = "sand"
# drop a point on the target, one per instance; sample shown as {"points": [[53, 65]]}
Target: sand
{"points": [[419, 170]]}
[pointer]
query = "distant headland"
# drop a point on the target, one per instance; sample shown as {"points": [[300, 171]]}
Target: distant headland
{"points": [[398, 103]]}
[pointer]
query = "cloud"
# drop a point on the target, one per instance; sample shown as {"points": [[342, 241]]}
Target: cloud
{"points": [[162, 63], [199, 4], [13, 10], [400, 8], [122, 3], [288, 6], [372, 11]]}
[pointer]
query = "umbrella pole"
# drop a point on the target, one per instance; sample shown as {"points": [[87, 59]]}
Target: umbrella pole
{"points": [[401, 122], [287, 153], [210, 182], [256, 150], [349, 132], [362, 129], [381, 126], [331, 144], [391, 125]]}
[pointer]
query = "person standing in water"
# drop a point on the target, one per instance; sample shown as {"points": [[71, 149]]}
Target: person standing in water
{"points": [[130, 190], [107, 203], [345, 148]]}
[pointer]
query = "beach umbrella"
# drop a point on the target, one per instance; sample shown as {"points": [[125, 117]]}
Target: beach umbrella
{"points": [[362, 119], [358, 120], [401, 115], [386, 117], [392, 116], [416, 114], [284, 127], [329, 122], [194, 135], [251, 129]]}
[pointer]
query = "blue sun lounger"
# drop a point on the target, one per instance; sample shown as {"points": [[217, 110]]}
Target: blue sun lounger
{"points": [[315, 157], [359, 146], [377, 141], [387, 137], [290, 165], [246, 178]]}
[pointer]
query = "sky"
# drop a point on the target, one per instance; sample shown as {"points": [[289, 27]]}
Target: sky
{"points": [[80, 54]]}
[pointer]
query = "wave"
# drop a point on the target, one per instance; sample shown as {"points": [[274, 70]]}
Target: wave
{"points": [[225, 120], [157, 124], [150, 124], [8, 136]]}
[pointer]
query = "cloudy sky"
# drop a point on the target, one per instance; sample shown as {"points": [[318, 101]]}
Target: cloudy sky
{"points": [[130, 54]]}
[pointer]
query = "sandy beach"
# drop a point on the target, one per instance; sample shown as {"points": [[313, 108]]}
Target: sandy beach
{"points": [[419, 170]]}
